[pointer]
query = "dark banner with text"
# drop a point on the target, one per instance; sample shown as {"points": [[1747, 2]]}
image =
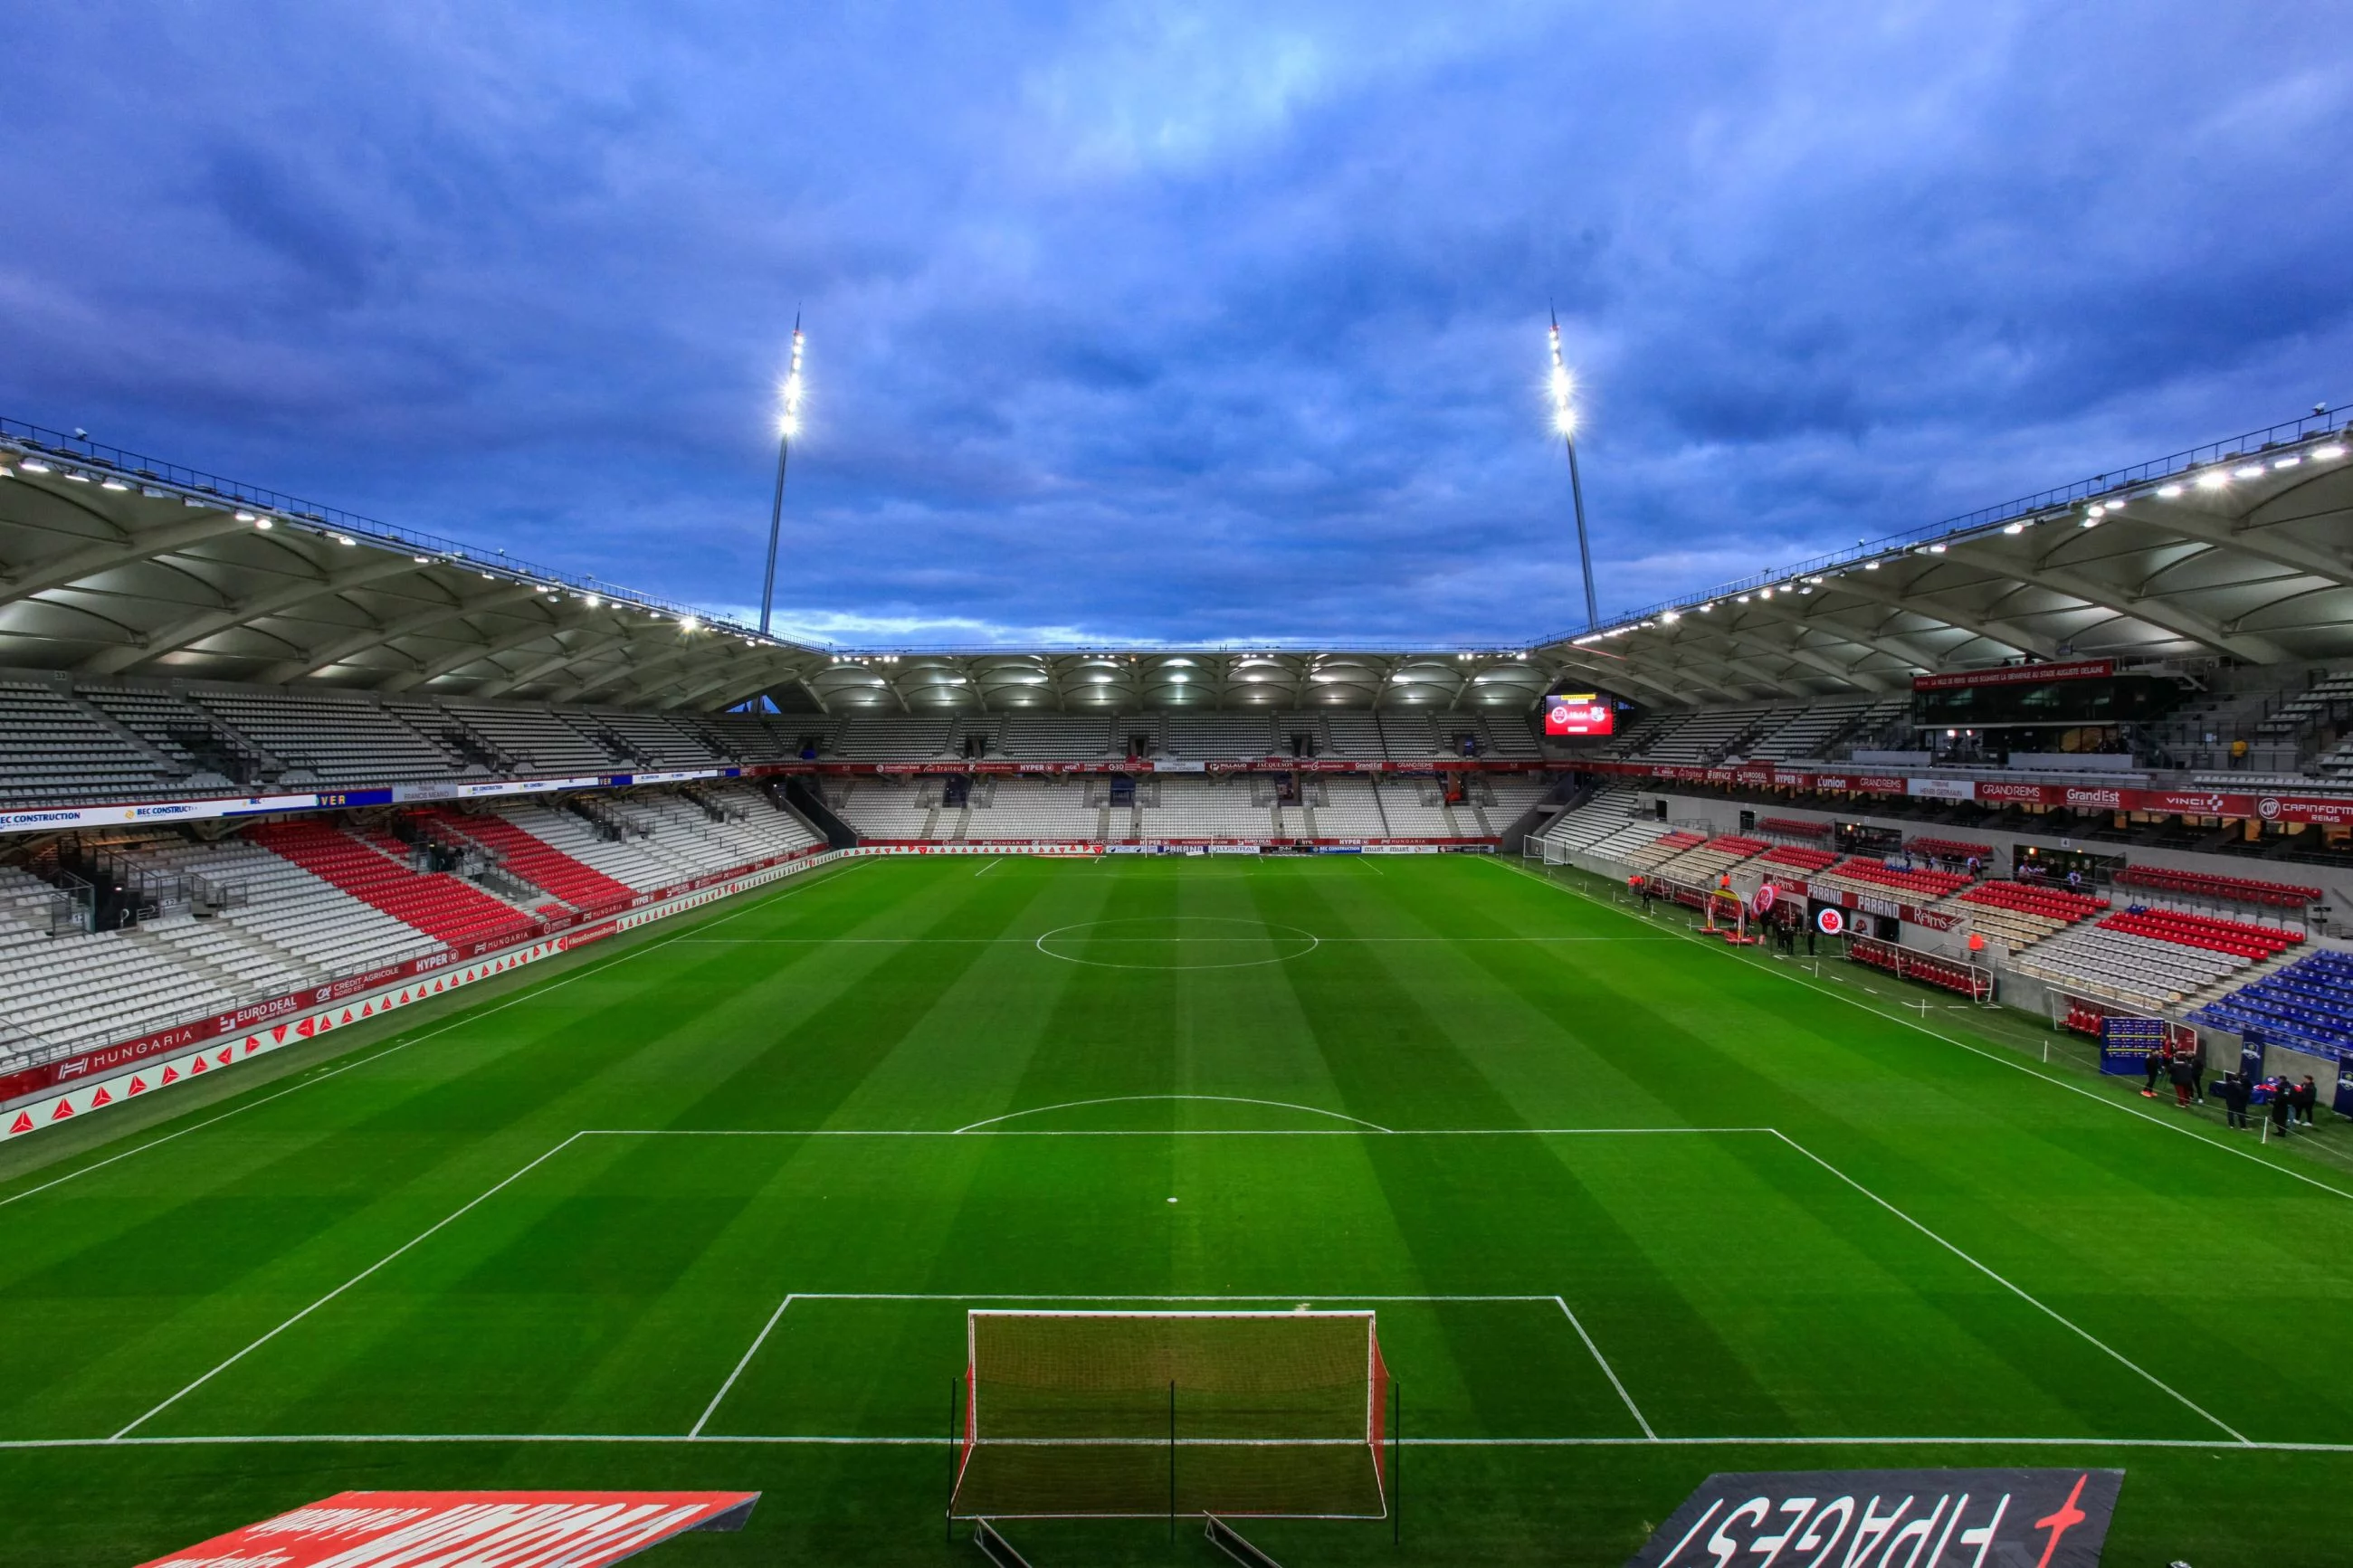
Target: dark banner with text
{"points": [[1891, 1518]]}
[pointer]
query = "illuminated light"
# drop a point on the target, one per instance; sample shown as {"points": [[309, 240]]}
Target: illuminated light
{"points": [[34, 465], [2287, 462], [2091, 522], [1670, 617], [2097, 510], [422, 559], [2329, 453], [345, 539], [1870, 566], [247, 517], [1936, 550], [2213, 479], [2248, 472], [596, 604], [1742, 600], [2015, 528], [1764, 592], [6, 472], [488, 578], [1805, 589], [112, 485], [1707, 609], [2167, 492], [263, 524], [77, 478]]}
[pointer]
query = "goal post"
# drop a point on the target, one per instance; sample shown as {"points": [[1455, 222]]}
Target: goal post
{"points": [[1137, 1415]]}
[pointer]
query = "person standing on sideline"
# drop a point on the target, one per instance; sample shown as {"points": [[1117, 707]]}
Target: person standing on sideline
{"points": [[2198, 1071], [2184, 1078], [2302, 1099], [2152, 1065], [2282, 1112], [2234, 1099]]}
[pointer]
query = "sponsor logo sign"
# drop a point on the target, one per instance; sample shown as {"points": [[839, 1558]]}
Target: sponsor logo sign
{"points": [[469, 1530], [1830, 920], [2098, 799], [1891, 1518], [1942, 789]]}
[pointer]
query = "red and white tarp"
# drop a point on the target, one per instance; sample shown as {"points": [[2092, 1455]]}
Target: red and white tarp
{"points": [[467, 1530]]}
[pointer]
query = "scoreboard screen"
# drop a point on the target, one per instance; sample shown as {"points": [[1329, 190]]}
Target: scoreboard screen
{"points": [[1580, 713]]}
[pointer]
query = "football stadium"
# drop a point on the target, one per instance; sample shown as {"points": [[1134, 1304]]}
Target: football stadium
{"points": [[467, 1028], [993, 868]]}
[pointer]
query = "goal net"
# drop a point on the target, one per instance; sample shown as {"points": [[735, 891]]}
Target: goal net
{"points": [[1112, 1414]]}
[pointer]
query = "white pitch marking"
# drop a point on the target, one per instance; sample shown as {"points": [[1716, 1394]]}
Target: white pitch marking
{"points": [[469, 1016], [277, 1438], [2051, 1312], [1128, 1098], [1989, 1056], [987, 869], [446, 1219], [712, 1408], [1607, 1370]]}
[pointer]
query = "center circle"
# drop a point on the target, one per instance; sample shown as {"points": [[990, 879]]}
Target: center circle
{"points": [[1177, 942]]}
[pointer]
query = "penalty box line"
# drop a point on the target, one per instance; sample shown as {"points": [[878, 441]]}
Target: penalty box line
{"points": [[274, 1440], [769, 1327]]}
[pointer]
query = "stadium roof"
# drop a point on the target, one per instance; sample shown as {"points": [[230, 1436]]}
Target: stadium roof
{"points": [[113, 563], [2240, 548]]}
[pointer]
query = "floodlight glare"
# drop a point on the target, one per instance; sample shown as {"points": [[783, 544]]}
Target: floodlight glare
{"points": [[2167, 492], [2213, 479]]}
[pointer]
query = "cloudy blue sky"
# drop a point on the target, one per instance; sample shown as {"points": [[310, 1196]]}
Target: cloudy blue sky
{"points": [[1183, 322]]}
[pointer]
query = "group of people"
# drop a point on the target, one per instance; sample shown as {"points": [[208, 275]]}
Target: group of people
{"points": [[2288, 1103]]}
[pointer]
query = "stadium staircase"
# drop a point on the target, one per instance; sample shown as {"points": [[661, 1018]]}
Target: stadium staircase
{"points": [[374, 868]]}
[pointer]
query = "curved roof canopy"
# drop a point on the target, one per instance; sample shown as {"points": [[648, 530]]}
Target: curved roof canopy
{"points": [[112, 564]]}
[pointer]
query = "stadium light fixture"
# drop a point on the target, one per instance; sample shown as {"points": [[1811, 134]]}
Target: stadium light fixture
{"points": [[33, 465], [263, 524], [112, 484], [78, 478], [2166, 492], [422, 559], [2248, 472], [1564, 422], [2014, 528], [1870, 566], [2286, 462], [2213, 479], [2329, 453], [789, 425]]}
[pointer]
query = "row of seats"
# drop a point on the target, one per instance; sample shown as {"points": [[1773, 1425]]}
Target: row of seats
{"points": [[2254, 943], [2146, 972], [1793, 828], [1926, 885], [2051, 903], [1802, 858], [2233, 890], [375, 870], [541, 864]]}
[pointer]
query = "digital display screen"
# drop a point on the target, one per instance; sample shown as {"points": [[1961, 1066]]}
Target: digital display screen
{"points": [[1580, 713]]}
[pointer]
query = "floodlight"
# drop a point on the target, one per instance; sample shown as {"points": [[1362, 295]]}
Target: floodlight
{"points": [[2166, 492], [2248, 472], [2213, 479], [2329, 453], [2282, 463], [33, 465]]}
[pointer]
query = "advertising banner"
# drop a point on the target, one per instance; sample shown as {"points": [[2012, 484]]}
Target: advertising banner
{"points": [[1580, 713], [1987, 1518], [1942, 789], [2017, 675], [2127, 1044], [467, 1530]]}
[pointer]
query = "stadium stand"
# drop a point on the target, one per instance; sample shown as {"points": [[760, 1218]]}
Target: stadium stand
{"points": [[542, 741], [1663, 847], [2153, 960], [1801, 859], [1207, 808], [375, 868], [1862, 875], [2307, 1004], [885, 808], [52, 747], [1958, 851], [1053, 737], [1218, 736], [328, 741], [541, 864], [1021, 809], [1793, 828], [1711, 859], [1351, 809]]}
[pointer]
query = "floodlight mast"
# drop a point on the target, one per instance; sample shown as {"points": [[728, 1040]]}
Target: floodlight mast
{"points": [[788, 423], [1564, 419]]}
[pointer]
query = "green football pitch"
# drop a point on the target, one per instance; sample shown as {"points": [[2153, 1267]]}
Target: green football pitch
{"points": [[707, 1205]]}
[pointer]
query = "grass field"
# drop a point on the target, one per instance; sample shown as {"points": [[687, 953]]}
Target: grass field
{"points": [[707, 1205]]}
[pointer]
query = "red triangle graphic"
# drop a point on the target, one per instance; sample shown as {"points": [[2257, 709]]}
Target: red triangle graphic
{"points": [[171, 1074], [196, 1065], [347, 1016], [23, 1123], [227, 1055], [64, 1110], [100, 1097], [138, 1085], [326, 1022], [367, 1010], [437, 988], [304, 1029], [278, 1035], [251, 1045]]}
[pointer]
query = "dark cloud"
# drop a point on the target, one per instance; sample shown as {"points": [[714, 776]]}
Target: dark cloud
{"points": [[1171, 322]]}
